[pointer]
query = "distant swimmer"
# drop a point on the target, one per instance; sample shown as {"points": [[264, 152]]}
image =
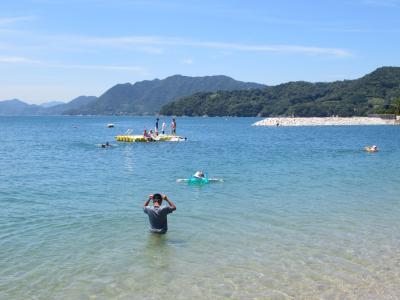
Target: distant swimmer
{"points": [[158, 213], [107, 144], [372, 148]]}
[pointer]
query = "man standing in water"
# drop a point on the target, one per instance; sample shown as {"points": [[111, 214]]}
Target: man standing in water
{"points": [[157, 213]]}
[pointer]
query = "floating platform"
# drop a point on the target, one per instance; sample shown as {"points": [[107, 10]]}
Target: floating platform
{"points": [[142, 139]]}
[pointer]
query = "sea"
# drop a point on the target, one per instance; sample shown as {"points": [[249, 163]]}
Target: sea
{"points": [[302, 212]]}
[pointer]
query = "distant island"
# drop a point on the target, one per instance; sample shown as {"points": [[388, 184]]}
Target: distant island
{"points": [[15, 107], [375, 93]]}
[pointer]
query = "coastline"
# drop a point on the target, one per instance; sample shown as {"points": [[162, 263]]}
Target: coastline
{"points": [[324, 121]]}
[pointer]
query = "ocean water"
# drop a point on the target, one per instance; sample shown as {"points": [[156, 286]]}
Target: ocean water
{"points": [[303, 213]]}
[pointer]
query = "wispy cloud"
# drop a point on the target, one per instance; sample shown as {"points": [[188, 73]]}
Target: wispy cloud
{"points": [[17, 59], [383, 3], [187, 61], [172, 41], [151, 50], [157, 44], [357, 30], [11, 20], [95, 67], [26, 60]]}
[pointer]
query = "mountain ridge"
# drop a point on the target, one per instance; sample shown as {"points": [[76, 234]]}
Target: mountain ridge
{"points": [[148, 96], [140, 98], [220, 95], [372, 93]]}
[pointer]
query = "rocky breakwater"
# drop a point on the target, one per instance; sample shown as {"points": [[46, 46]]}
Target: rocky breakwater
{"points": [[328, 121]]}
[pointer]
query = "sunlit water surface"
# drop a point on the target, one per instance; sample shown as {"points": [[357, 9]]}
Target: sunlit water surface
{"points": [[303, 212]]}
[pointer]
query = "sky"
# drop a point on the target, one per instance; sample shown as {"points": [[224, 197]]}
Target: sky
{"points": [[56, 50]]}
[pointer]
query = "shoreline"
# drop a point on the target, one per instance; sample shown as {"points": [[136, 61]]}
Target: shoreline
{"points": [[324, 121]]}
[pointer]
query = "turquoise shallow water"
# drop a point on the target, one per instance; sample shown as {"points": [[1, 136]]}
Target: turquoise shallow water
{"points": [[303, 212]]}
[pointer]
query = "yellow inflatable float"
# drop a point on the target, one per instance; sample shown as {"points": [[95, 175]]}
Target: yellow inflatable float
{"points": [[143, 139]]}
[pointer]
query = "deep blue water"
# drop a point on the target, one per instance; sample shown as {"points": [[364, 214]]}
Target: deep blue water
{"points": [[303, 212]]}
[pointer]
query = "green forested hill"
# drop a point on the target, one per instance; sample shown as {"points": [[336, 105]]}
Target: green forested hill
{"points": [[373, 93], [147, 97]]}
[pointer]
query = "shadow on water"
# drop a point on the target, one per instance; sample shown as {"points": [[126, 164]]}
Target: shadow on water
{"points": [[156, 242], [162, 243], [160, 253], [156, 252]]}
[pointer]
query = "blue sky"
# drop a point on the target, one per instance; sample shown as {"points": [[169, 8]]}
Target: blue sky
{"points": [[59, 49]]}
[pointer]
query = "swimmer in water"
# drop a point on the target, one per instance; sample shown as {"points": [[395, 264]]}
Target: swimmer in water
{"points": [[199, 174], [373, 148], [199, 177]]}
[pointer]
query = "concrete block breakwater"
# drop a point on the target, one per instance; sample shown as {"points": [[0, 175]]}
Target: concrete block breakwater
{"points": [[327, 121]]}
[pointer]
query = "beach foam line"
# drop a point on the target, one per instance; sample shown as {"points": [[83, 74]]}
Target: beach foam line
{"points": [[327, 121]]}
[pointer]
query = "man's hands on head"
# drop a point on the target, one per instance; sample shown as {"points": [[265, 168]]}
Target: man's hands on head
{"points": [[148, 200], [169, 202], [164, 197]]}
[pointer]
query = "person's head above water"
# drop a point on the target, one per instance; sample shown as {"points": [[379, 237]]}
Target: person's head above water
{"points": [[199, 174]]}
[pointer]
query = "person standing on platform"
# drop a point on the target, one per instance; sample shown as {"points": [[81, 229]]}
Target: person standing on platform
{"points": [[156, 128], [173, 127]]}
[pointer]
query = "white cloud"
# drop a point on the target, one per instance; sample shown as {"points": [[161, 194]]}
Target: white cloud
{"points": [[95, 67], [6, 21], [172, 41], [187, 61], [151, 50], [383, 3], [155, 44], [273, 48], [17, 59], [25, 60]]}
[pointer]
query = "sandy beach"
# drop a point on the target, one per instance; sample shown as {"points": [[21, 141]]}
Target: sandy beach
{"points": [[328, 121]]}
